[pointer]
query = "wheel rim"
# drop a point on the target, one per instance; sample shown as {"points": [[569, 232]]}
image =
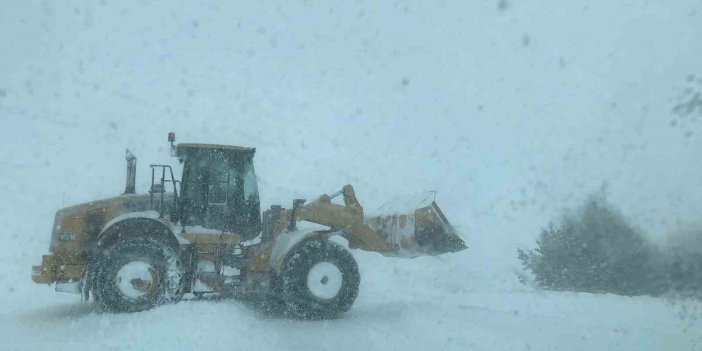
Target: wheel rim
{"points": [[324, 280], [137, 279]]}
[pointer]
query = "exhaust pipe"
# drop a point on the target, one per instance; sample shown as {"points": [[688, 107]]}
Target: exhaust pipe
{"points": [[131, 173]]}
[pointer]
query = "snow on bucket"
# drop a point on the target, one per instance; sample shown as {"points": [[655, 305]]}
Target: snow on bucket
{"points": [[415, 226]]}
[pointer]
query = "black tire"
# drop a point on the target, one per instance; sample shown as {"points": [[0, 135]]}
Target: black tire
{"points": [[162, 286], [297, 274]]}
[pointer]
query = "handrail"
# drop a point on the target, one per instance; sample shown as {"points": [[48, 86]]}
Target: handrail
{"points": [[163, 187]]}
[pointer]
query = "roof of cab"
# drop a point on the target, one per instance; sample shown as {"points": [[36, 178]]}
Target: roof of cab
{"points": [[216, 146], [182, 149]]}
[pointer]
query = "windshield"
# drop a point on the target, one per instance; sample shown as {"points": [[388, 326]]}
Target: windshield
{"points": [[220, 192]]}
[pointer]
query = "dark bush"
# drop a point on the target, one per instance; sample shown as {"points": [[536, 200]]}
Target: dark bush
{"points": [[683, 262], [595, 250]]}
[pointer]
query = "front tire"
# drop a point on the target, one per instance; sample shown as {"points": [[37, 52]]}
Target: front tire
{"points": [[137, 275], [320, 280]]}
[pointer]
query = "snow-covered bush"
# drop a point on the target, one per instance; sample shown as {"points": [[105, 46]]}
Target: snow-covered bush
{"points": [[683, 259], [595, 250]]}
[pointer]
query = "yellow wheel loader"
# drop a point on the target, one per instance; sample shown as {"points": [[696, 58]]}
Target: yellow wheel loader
{"points": [[205, 234]]}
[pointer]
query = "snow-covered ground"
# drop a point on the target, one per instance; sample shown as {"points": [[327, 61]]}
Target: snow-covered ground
{"points": [[446, 303], [510, 110]]}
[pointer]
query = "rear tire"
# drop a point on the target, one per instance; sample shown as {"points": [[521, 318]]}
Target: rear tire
{"points": [[137, 275], [319, 280]]}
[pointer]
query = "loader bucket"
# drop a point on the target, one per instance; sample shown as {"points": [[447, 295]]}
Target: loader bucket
{"points": [[422, 232]]}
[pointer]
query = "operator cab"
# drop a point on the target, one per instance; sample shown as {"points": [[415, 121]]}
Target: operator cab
{"points": [[219, 189]]}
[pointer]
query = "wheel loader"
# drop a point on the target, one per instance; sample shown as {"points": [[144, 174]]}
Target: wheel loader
{"points": [[205, 235]]}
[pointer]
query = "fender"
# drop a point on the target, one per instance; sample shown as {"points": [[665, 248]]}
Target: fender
{"points": [[137, 224], [286, 242]]}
